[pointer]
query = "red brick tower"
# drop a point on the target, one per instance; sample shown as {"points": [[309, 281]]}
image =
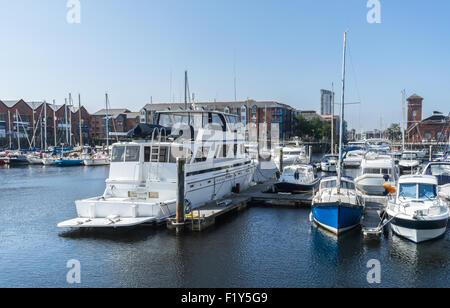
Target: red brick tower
{"points": [[414, 109]]}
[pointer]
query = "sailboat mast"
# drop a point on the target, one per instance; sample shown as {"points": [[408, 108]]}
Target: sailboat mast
{"points": [[67, 123], [185, 89], [45, 126], [79, 118], [107, 122], [403, 120], [332, 118], [54, 121], [18, 131], [70, 118], [10, 130], [341, 117]]}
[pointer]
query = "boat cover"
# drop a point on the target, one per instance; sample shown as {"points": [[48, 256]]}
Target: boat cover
{"points": [[146, 131]]}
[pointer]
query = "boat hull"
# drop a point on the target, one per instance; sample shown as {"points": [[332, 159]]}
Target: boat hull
{"points": [[418, 231], [328, 167], [198, 193], [68, 163], [96, 162], [371, 185], [337, 218], [299, 189]]}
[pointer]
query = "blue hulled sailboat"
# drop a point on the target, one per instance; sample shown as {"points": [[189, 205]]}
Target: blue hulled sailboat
{"points": [[337, 206]]}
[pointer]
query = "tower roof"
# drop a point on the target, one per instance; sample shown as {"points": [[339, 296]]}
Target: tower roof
{"points": [[415, 97]]}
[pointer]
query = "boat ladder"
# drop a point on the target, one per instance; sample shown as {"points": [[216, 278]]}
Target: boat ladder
{"points": [[376, 232], [155, 151]]}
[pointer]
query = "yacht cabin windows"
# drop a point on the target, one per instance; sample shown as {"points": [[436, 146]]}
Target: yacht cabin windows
{"points": [[417, 191], [377, 171], [125, 154]]}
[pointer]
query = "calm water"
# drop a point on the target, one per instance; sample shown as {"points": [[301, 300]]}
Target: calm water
{"points": [[260, 247]]}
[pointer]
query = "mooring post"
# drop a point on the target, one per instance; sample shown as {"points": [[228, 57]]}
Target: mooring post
{"points": [[281, 160], [310, 153], [180, 193]]}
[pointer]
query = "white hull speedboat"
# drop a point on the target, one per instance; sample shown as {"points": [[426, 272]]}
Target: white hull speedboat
{"points": [[440, 170], [293, 155], [33, 160], [96, 162], [417, 214], [142, 184], [409, 162], [48, 161], [297, 179], [376, 171], [353, 159], [328, 163]]}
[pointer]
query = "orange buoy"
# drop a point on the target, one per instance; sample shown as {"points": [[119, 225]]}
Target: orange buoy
{"points": [[391, 190]]}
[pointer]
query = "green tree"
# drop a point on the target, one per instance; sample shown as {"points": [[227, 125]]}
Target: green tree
{"points": [[394, 132]]}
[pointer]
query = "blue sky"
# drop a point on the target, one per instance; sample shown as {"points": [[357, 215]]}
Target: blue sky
{"points": [[284, 50]]}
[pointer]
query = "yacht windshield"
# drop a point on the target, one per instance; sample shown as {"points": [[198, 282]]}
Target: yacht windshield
{"points": [[418, 191], [333, 184], [118, 154], [125, 154], [427, 191], [409, 156], [408, 191], [438, 170], [132, 154]]}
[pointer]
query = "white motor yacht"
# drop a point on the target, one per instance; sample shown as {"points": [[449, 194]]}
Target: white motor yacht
{"points": [[409, 162], [416, 213], [329, 162], [377, 170], [142, 183], [353, 159]]}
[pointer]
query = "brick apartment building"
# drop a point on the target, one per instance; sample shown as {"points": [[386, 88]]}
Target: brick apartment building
{"points": [[112, 120], [22, 124]]}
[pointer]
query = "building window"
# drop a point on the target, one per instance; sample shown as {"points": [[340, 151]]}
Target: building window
{"points": [[414, 113], [254, 113], [427, 135], [244, 115]]}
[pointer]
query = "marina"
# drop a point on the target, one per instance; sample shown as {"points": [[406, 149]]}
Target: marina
{"points": [[236, 147], [262, 246]]}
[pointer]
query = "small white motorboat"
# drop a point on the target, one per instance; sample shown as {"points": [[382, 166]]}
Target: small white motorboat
{"points": [[440, 170], [97, 160], [416, 213], [297, 179], [329, 162], [377, 170], [409, 162], [353, 159], [35, 160]]}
